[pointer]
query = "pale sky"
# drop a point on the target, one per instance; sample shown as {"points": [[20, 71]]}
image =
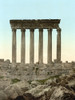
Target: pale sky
{"points": [[38, 9]]}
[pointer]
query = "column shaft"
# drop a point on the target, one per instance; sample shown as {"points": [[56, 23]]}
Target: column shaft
{"points": [[22, 45], [59, 45], [13, 45], [40, 45], [49, 45], [31, 45]]}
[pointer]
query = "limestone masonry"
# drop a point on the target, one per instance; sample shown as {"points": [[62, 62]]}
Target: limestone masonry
{"points": [[48, 24]]}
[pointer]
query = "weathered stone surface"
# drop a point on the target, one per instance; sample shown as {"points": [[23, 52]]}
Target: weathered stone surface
{"points": [[23, 85], [38, 91], [13, 45], [3, 96], [61, 93], [44, 23], [12, 91], [1, 61], [59, 45], [31, 46], [37, 82], [22, 45], [50, 45], [40, 45]]}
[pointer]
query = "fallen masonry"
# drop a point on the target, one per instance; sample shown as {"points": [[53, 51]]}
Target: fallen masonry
{"points": [[18, 83], [36, 71]]}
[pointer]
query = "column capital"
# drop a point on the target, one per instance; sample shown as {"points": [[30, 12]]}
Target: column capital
{"points": [[58, 29], [32, 29], [13, 30], [40, 29], [49, 29], [22, 30]]}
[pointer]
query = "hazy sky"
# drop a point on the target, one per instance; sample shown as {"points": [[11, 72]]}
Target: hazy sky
{"points": [[38, 9]]}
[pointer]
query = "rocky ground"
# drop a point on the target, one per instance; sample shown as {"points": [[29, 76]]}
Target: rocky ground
{"points": [[16, 85]]}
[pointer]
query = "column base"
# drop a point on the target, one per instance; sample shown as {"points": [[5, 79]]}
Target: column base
{"points": [[57, 61], [50, 62]]}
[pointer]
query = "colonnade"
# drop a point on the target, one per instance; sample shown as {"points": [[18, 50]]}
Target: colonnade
{"points": [[40, 54]]}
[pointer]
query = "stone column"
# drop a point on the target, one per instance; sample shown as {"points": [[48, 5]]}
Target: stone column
{"points": [[31, 46], [22, 45], [13, 45], [49, 45], [58, 45], [40, 45]]}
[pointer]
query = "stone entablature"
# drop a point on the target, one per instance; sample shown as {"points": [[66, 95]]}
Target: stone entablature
{"points": [[48, 24], [27, 24]]}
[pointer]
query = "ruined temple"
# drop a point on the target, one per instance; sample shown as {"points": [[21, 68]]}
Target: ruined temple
{"points": [[48, 24]]}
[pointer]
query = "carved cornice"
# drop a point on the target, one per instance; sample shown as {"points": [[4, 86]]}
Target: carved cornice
{"points": [[36, 24]]}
